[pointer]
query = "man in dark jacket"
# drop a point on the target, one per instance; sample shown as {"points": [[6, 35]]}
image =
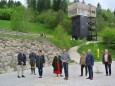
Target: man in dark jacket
{"points": [[32, 57], [21, 63], [90, 64], [107, 60], [40, 62]]}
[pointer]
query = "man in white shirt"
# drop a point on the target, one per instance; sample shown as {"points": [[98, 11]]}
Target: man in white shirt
{"points": [[107, 60]]}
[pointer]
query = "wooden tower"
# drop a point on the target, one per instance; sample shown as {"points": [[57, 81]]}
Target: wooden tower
{"points": [[83, 20]]}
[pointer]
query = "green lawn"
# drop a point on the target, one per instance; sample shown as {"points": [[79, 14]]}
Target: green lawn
{"points": [[31, 27], [94, 48], [4, 24]]}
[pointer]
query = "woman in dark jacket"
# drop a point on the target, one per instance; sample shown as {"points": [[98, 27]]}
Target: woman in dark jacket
{"points": [[40, 62], [57, 65]]}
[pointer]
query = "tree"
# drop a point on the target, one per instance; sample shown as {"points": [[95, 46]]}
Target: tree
{"points": [[47, 4], [18, 19], [32, 4], [3, 3], [55, 5], [99, 9], [18, 3], [63, 5], [60, 5], [40, 5]]}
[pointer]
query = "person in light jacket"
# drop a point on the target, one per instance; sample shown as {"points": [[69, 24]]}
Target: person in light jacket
{"points": [[65, 59], [107, 61], [83, 63]]}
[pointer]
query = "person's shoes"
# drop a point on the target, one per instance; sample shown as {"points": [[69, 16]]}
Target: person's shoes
{"points": [[61, 75], [66, 78], [80, 75], [19, 77], [109, 74], [40, 77], [88, 78], [57, 75], [106, 75], [23, 76], [91, 78]]}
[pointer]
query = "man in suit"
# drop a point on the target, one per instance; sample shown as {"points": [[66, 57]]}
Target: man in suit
{"points": [[107, 60], [21, 63], [90, 64]]}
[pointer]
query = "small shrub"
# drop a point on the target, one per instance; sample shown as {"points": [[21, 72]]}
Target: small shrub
{"points": [[108, 36]]}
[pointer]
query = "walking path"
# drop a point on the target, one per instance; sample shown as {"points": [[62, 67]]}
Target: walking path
{"points": [[49, 79]]}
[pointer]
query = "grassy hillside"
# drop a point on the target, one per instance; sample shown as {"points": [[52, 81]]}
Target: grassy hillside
{"points": [[32, 27]]}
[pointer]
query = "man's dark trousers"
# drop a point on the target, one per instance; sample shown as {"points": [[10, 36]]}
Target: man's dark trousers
{"points": [[40, 70], [106, 68], [90, 69], [65, 69], [82, 66]]}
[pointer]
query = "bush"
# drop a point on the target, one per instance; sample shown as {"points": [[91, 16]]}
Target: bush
{"points": [[61, 39], [108, 36], [52, 19], [48, 19], [5, 14], [18, 19], [67, 24]]}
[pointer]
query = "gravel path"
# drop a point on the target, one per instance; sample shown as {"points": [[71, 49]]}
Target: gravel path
{"points": [[49, 79]]}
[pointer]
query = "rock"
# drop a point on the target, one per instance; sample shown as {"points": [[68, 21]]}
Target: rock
{"points": [[10, 48], [1, 65]]}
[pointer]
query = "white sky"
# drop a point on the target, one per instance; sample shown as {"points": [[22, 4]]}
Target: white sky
{"points": [[104, 3]]}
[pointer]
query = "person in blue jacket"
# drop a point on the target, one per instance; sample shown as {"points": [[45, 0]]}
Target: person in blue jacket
{"points": [[90, 64]]}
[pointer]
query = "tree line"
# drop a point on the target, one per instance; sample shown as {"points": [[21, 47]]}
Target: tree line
{"points": [[41, 5], [9, 3]]}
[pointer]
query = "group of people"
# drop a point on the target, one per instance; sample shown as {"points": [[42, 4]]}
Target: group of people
{"points": [[87, 62], [61, 61], [36, 60]]}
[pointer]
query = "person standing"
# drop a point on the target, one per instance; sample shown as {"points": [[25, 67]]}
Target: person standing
{"points": [[83, 63], [21, 63], [107, 60], [57, 64], [32, 57], [40, 62], [65, 59], [90, 64]]}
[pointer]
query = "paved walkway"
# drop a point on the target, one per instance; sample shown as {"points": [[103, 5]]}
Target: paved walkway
{"points": [[74, 55], [49, 79]]}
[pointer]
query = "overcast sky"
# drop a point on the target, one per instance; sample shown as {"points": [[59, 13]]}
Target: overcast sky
{"points": [[104, 3]]}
